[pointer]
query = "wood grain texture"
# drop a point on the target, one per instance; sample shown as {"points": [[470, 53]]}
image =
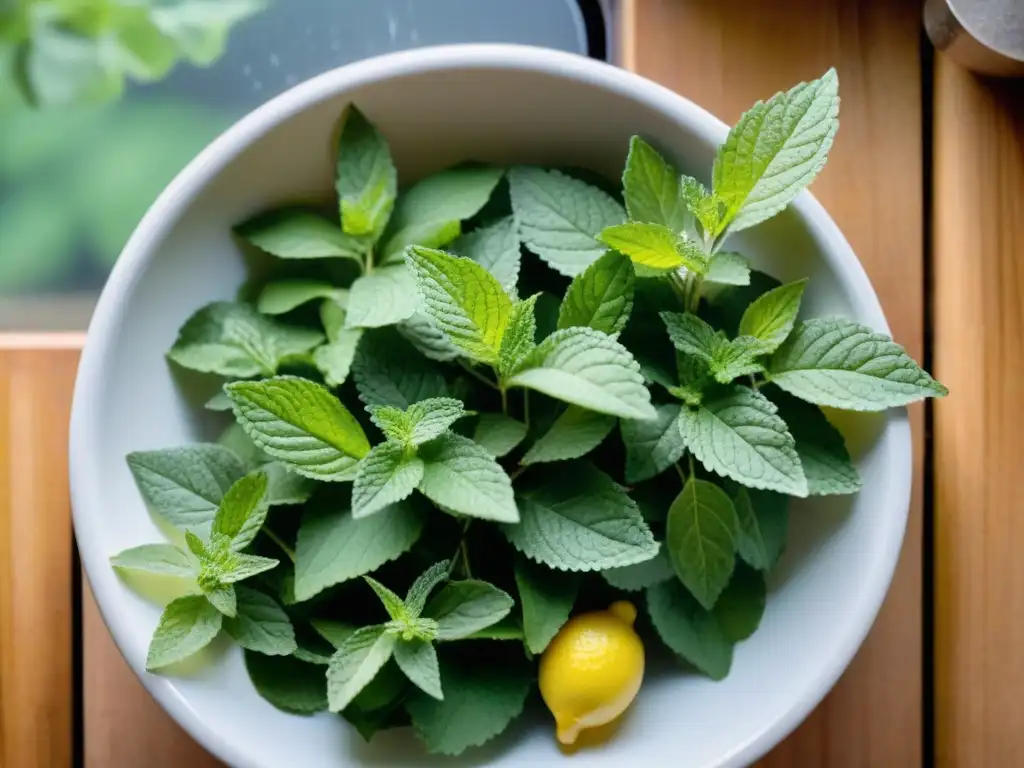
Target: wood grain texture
{"points": [[36, 641], [979, 336], [727, 55]]}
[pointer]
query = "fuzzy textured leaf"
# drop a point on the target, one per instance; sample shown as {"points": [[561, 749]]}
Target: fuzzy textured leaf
{"points": [[633, 578], [418, 660], [575, 433], [356, 663], [652, 446], [700, 536], [601, 297], [294, 233], [463, 477], [261, 624], [764, 526], [498, 434], [383, 297], [651, 188], [365, 177], [496, 249], [771, 316], [158, 559], [388, 371], [186, 626], [386, 476], [655, 246], [520, 336]]}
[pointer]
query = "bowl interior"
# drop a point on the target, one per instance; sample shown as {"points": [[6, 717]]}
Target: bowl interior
{"points": [[502, 105]]}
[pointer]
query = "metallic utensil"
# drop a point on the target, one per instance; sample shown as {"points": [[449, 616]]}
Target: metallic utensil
{"points": [[986, 36]]}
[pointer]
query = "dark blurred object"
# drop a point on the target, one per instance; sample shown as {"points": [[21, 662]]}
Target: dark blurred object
{"points": [[986, 36]]}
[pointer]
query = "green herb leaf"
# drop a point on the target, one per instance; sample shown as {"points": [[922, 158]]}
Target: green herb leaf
{"points": [[600, 297], [388, 371], [455, 194], [633, 578], [418, 660], [652, 446], [775, 150], [300, 423], [547, 599], [431, 234], [836, 362], [506, 629], [334, 359], [651, 188], [293, 233], [701, 538], [587, 368], [386, 476], [185, 485], [240, 566], [159, 559], [764, 525], [519, 339], [242, 511], [691, 335], [771, 316], [261, 624], [728, 268], [333, 547], [703, 204], [186, 626], [689, 630], [739, 434], [236, 341], [420, 422], [741, 605], [575, 433], [283, 296], [223, 598], [576, 518], [559, 217], [737, 358], [498, 434], [392, 603], [365, 176], [465, 607], [383, 297], [424, 585], [462, 476], [496, 249], [289, 684], [356, 663], [422, 332], [655, 246]]}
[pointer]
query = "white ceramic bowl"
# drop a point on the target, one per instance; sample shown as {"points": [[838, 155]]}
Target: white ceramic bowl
{"points": [[438, 106]]}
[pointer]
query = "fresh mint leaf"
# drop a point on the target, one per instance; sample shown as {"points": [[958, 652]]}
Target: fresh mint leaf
{"points": [[186, 626], [431, 234], [418, 660], [519, 339], [633, 578], [741, 606], [559, 217], [820, 446], [334, 359], [218, 402], [365, 176], [383, 297], [724, 359], [739, 434], [701, 538], [736, 358], [704, 205], [294, 233], [576, 518], [462, 476], [291, 685], [261, 624], [775, 150], [840, 363], [300, 423], [547, 599], [200, 30], [498, 434], [575, 433], [223, 598], [422, 332], [159, 559], [185, 485], [334, 632], [651, 188], [465, 301], [587, 368], [356, 663], [496, 249], [420, 422], [333, 547], [392, 603], [238, 567], [425, 583], [388, 371], [728, 268], [652, 446], [242, 511], [688, 629], [600, 297], [771, 316], [236, 341], [764, 526], [691, 335], [386, 476], [283, 296], [506, 629], [655, 246], [479, 703], [462, 608]]}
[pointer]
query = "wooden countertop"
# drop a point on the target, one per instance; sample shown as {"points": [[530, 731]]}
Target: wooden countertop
{"points": [[927, 182]]}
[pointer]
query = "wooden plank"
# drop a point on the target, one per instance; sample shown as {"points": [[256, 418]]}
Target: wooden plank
{"points": [[978, 233], [725, 56], [36, 685]]}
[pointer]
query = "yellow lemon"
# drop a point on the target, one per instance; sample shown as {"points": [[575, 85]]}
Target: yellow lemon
{"points": [[592, 670]]}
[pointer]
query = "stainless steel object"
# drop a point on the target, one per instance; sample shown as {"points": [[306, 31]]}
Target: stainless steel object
{"points": [[986, 36]]}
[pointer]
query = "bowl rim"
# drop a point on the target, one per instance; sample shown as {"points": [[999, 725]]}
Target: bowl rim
{"points": [[162, 216]]}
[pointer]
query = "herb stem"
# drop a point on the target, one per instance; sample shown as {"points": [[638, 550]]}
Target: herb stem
{"points": [[504, 400], [280, 542], [477, 375], [689, 458], [464, 549], [679, 471], [526, 408]]}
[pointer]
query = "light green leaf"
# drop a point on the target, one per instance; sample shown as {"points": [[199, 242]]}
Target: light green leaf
{"points": [[334, 359], [775, 150], [384, 297], [293, 233], [520, 336], [689, 630], [463, 477], [836, 362], [705, 205], [547, 599], [700, 536], [452, 195], [652, 446], [601, 297], [559, 217], [218, 402], [432, 234], [576, 518], [186, 626], [424, 585], [289, 684], [242, 511], [334, 632], [236, 341], [386, 476], [159, 559], [283, 296], [261, 624], [223, 598], [356, 663], [200, 28], [392, 603], [655, 246], [691, 335], [365, 177], [185, 485], [771, 316], [735, 359], [465, 301], [479, 703], [333, 547], [498, 434], [728, 268], [300, 423], [422, 332], [388, 371], [62, 68], [418, 660], [651, 188], [420, 422], [575, 433], [633, 578], [496, 249], [764, 525], [741, 605], [464, 607], [284, 486], [739, 434], [241, 567]]}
